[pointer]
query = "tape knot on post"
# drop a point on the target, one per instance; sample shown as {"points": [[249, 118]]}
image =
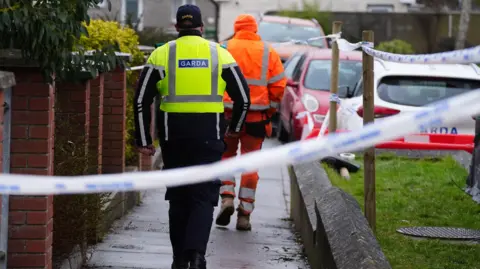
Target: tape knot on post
{"points": [[367, 44], [335, 98], [335, 36]]}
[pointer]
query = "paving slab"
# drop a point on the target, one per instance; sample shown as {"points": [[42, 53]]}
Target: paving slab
{"points": [[140, 240]]}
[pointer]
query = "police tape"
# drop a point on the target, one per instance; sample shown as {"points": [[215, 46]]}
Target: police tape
{"points": [[444, 112], [464, 56]]}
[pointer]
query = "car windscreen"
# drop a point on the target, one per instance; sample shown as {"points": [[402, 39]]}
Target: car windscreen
{"points": [[284, 32], [318, 75], [420, 91]]}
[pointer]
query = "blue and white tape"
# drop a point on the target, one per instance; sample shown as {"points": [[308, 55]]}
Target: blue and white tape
{"points": [[334, 98], [464, 56], [446, 112]]}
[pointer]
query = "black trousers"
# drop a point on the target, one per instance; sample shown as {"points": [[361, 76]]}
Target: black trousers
{"points": [[191, 206]]}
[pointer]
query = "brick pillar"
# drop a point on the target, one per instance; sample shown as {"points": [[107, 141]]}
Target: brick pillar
{"points": [[96, 124], [145, 162], [32, 152], [114, 121]]}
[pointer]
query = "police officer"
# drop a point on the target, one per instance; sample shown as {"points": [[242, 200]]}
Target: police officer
{"points": [[191, 75]]}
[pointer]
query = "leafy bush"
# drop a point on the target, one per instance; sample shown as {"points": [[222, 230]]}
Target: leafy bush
{"points": [[77, 217], [46, 31], [102, 33], [151, 36], [310, 11], [396, 46]]}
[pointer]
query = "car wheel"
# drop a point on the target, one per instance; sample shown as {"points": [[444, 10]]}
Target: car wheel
{"points": [[282, 134], [275, 125], [291, 135]]}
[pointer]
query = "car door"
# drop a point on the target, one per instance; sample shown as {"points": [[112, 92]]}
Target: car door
{"points": [[295, 92], [287, 100]]}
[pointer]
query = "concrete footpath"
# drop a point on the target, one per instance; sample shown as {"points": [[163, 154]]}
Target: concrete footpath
{"points": [[141, 240]]}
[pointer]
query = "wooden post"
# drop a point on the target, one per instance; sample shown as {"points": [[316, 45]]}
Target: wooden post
{"points": [[368, 117], [332, 121]]}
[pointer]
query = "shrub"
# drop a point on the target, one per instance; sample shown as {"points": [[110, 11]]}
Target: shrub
{"points": [[396, 46], [151, 36], [77, 217], [310, 11], [103, 33]]}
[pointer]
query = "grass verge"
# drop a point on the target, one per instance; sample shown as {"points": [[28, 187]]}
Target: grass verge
{"points": [[422, 192]]}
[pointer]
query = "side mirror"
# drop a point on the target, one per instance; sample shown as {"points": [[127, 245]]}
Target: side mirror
{"points": [[293, 84], [344, 91]]}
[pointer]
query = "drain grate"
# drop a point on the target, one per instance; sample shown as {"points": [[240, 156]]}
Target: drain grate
{"points": [[441, 232]]}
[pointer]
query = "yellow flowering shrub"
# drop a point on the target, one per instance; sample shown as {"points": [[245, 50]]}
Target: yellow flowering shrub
{"points": [[102, 33]]}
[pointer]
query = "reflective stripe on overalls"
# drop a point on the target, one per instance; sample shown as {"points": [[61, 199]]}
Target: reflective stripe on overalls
{"points": [[262, 82]]}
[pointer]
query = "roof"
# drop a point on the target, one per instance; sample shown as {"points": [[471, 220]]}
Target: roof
{"points": [[327, 54], [289, 49], [465, 71], [283, 19]]}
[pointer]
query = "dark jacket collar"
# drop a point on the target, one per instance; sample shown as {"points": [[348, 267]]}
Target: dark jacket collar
{"points": [[189, 32]]}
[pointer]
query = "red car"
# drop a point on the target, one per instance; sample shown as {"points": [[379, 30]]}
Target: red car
{"points": [[308, 87]]}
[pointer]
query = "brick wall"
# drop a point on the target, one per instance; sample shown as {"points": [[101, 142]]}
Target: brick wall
{"points": [[31, 217], [95, 110], [114, 114]]}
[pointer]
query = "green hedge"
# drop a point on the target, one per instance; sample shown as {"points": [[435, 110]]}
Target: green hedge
{"points": [[103, 33], [396, 46], [310, 11]]}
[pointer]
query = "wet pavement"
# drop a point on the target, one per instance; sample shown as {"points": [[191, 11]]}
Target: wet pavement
{"points": [[141, 240]]}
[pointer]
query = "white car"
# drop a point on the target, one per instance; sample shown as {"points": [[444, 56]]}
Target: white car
{"points": [[403, 88]]}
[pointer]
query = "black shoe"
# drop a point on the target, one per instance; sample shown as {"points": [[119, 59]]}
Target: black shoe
{"points": [[179, 263], [197, 261]]}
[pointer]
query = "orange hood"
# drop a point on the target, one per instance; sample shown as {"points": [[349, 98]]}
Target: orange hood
{"points": [[245, 22]]}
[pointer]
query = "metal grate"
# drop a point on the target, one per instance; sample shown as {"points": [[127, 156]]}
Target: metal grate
{"points": [[441, 232]]}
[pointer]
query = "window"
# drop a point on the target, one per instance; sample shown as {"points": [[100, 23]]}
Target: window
{"points": [[290, 65], [318, 75], [297, 73], [358, 88], [132, 13], [176, 4], [421, 91], [103, 4], [380, 8], [284, 32], [132, 10]]}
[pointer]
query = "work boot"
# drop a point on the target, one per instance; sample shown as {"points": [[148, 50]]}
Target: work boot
{"points": [[179, 263], [243, 221], [226, 210], [197, 261]]}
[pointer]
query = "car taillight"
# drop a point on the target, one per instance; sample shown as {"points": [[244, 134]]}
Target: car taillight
{"points": [[379, 112]]}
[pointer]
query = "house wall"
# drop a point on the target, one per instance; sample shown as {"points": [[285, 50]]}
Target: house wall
{"points": [[158, 14]]}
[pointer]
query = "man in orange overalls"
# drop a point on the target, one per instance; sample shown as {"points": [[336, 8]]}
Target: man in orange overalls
{"points": [[263, 70]]}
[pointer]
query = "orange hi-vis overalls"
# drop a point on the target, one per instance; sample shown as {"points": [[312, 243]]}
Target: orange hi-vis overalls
{"points": [[264, 72]]}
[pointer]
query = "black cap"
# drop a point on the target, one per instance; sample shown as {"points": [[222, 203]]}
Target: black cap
{"points": [[189, 16]]}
